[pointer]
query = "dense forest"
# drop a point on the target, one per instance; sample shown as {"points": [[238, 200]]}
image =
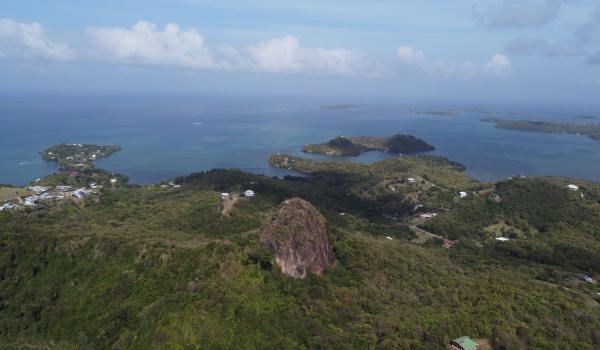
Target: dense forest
{"points": [[140, 267]]}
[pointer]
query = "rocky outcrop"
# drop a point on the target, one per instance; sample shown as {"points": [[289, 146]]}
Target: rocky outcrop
{"points": [[297, 236]]}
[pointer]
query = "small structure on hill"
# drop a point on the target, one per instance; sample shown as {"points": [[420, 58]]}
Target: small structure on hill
{"points": [[573, 187], [464, 343], [585, 278], [448, 243], [224, 195], [249, 193], [502, 239], [463, 194], [427, 216]]}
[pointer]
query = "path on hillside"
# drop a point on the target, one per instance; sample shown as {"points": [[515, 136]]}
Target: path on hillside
{"points": [[422, 235], [228, 204]]}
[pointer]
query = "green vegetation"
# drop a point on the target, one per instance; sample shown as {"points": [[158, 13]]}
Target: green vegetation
{"points": [[76, 160], [11, 193], [151, 267], [77, 156], [354, 146], [592, 131]]}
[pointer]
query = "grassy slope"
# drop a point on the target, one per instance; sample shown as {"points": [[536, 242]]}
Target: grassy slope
{"points": [[161, 268]]}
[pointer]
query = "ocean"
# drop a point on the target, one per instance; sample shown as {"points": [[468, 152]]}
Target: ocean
{"points": [[167, 137]]}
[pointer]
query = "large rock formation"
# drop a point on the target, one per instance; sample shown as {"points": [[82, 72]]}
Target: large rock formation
{"points": [[297, 236]]}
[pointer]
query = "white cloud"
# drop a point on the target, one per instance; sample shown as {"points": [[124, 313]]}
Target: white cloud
{"points": [[436, 68], [286, 55], [498, 65], [18, 39], [143, 43]]}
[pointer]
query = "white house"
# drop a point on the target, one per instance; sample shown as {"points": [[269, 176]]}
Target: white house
{"points": [[113, 181], [463, 194], [81, 193], [249, 193], [38, 189], [411, 180], [7, 206], [502, 239], [31, 200], [225, 195], [573, 187]]}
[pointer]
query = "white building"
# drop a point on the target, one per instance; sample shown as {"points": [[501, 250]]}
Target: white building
{"points": [[463, 194], [81, 193], [502, 239], [31, 200], [411, 180], [7, 206], [573, 187], [224, 195], [113, 181], [38, 189], [249, 193]]}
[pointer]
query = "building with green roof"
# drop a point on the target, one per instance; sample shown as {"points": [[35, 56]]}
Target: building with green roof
{"points": [[464, 343]]}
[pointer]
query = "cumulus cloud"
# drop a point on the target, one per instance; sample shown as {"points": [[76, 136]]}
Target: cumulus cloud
{"points": [[498, 65], [518, 13], [144, 43], [439, 68], [18, 39], [541, 47], [286, 55]]}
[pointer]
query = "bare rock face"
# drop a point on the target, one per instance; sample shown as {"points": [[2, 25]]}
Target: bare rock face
{"points": [[297, 236]]}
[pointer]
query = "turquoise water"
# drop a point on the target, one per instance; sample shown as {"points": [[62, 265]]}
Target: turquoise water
{"points": [[167, 137]]}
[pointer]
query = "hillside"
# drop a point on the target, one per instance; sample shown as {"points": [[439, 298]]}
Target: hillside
{"points": [[354, 146], [161, 266]]}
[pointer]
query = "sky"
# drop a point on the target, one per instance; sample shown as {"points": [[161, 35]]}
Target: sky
{"points": [[505, 51]]}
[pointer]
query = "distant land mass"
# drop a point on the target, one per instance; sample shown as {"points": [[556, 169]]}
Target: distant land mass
{"points": [[77, 155], [354, 146], [340, 106], [586, 117], [591, 131]]}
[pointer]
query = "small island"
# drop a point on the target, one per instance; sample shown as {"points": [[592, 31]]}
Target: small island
{"points": [[590, 130], [340, 106], [77, 156], [354, 146], [586, 117]]}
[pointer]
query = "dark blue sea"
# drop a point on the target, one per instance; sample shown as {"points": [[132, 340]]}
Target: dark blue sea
{"points": [[170, 136]]}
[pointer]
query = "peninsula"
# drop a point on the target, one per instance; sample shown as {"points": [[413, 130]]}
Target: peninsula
{"points": [[590, 130], [354, 146], [71, 156]]}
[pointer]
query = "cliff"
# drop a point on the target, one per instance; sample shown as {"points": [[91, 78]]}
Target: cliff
{"points": [[297, 236]]}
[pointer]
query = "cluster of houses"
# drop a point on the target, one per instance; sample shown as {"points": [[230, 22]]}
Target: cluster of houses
{"points": [[247, 194], [49, 194], [170, 184]]}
